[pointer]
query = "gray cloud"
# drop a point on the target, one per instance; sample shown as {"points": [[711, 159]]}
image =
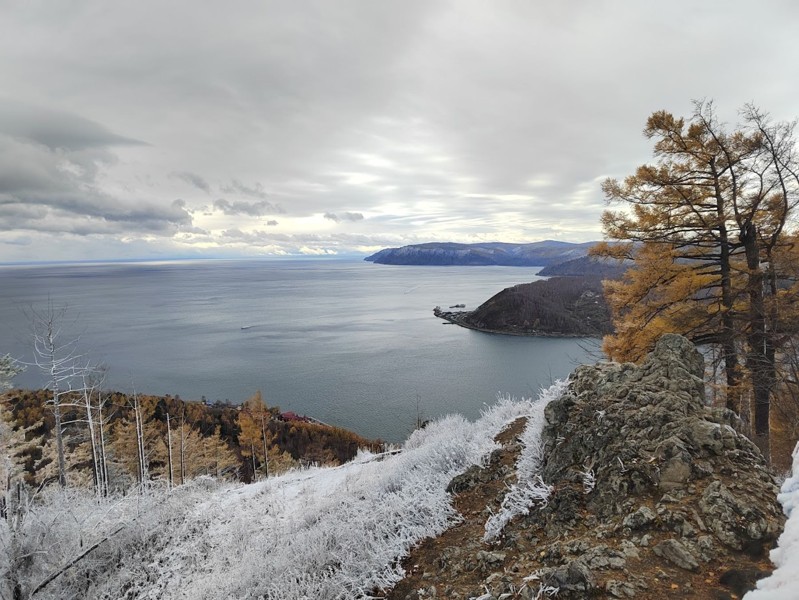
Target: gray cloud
{"points": [[56, 190], [292, 243], [236, 187], [92, 216], [21, 240], [242, 207], [439, 119], [193, 179], [56, 129], [346, 216]]}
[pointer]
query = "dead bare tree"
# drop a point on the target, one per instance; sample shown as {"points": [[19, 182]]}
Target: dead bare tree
{"points": [[94, 403], [60, 361]]}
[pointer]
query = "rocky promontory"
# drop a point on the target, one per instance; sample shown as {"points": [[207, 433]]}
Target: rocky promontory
{"points": [[560, 306], [652, 495]]}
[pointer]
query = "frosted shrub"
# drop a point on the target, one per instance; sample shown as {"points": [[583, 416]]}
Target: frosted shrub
{"points": [[321, 533], [342, 532], [529, 488], [59, 526], [589, 480]]}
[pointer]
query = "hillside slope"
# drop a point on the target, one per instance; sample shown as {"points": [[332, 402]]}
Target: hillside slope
{"points": [[536, 254], [561, 306], [631, 488], [620, 483], [586, 266]]}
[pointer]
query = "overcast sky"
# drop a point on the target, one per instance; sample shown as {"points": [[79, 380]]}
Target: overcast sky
{"points": [[147, 129]]}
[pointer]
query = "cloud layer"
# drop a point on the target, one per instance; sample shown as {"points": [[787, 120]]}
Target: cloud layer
{"points": [[157, 130]]}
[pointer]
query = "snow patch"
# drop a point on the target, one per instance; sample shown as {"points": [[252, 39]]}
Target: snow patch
{"points": [[783, 583]]}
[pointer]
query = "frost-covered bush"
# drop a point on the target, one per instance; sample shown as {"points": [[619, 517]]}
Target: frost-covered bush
{"points": [[529, 489], [320, 533], [69, 534]]}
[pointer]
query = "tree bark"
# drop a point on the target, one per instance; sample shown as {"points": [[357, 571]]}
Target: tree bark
{"points": [[757, 356]]}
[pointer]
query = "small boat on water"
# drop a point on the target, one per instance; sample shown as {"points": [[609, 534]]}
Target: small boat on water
{"points": [[458, 306], [246, 327]]}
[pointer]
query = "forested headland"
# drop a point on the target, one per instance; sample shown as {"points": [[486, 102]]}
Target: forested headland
{"points": [[560, 306]]}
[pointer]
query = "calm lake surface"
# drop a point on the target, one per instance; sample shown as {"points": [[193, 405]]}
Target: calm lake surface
{"points": [[348, 342]]}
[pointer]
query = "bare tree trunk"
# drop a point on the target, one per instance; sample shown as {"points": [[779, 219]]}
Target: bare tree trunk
{"points": [[757, 356], [103, 456], [728, 332], [252, 453], [140, 441], [169, 448], [266, 451], [59, 441], [87, 399], [183, 448]]}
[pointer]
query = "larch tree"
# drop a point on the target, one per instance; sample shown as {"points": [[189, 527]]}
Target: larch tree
{"points": [[701, 226], [216, 458], [137, 442], [255, 438]]}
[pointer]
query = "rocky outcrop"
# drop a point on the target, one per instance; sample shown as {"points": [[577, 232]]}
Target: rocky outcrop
{"points": [[654, 494], [561, 306]]}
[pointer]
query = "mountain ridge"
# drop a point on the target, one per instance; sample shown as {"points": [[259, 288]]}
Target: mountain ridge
{"points": [[534, 254]]}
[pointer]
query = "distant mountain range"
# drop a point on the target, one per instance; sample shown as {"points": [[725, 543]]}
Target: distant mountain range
{"points": [[536, 254]]}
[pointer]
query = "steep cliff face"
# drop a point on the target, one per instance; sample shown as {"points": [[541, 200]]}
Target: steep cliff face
{"points": [[652, 495]]}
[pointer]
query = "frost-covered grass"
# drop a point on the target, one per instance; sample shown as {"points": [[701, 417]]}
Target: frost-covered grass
{"points": [[57, 526], [529, 489], [783, 584], [316, 533]]}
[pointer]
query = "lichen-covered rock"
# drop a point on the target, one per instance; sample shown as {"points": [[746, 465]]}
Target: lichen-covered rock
{"points": [[736, 520], [574, 577], [677, 554], [663, 464], [640, 518], [680, 504]]}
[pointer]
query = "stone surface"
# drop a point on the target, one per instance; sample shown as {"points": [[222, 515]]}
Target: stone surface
{"points": [[677, 554], [679, 495], [640, 518]]}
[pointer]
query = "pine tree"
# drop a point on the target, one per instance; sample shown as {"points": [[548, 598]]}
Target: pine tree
{"points": [[255, 438]]}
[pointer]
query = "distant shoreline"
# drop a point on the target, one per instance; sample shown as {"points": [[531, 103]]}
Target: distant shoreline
{"points": [[457, 318]]}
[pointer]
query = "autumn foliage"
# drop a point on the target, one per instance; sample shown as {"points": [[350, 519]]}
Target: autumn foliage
{"points": [[217, 440], [709, 227]]}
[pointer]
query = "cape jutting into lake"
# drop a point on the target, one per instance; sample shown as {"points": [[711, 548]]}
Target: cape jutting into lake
{"points": [[350, 343]]}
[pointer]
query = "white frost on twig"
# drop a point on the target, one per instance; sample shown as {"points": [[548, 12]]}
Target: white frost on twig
{"points": [[530, 489], [589, 481]]}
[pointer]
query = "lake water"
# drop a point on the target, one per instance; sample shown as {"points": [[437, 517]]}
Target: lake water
{"points": [[348, 342]]}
